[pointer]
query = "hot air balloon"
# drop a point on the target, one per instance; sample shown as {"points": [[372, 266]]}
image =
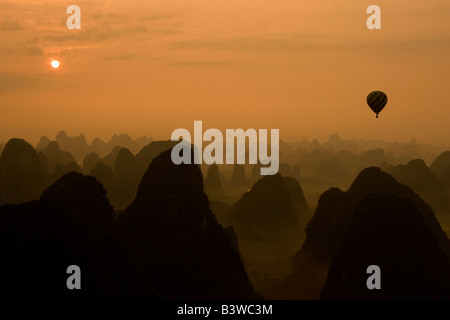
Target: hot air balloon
{"points": [[377, 101]]}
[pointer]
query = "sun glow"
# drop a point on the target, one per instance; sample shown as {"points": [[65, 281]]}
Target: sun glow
{"points": [[55, 64]]}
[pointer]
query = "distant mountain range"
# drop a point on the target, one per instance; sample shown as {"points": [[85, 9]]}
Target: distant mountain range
{"points": [[140, 226], [403, 151], [79, 147]]}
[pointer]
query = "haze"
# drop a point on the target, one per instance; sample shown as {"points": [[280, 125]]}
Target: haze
{"points": [[150, 67]]}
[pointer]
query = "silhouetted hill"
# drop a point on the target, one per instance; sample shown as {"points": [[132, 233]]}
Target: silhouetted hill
{"points": [[86, 194], [129, 169], [151, 151], [390, 232], [266, 210], [75, 145], [422, 180], [212, 181], [186, 253], [72, 224], [326, 230], [298, 199], [104, 175], [418, 177], [440, 163], [327, 225], [126, 179], [2, 146], [373, 180], [21, 175], [56, 156], [43, 143], [110, 159], [89, 162], [99, 147]]}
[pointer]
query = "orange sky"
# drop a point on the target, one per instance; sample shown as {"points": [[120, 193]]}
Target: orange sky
{"points": [[149, 67]]}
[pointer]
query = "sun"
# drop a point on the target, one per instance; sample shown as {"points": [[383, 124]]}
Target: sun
{"points": [[55, 64]]}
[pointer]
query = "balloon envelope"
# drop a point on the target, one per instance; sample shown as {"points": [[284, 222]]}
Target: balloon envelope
{"points": [[377, 100]]}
